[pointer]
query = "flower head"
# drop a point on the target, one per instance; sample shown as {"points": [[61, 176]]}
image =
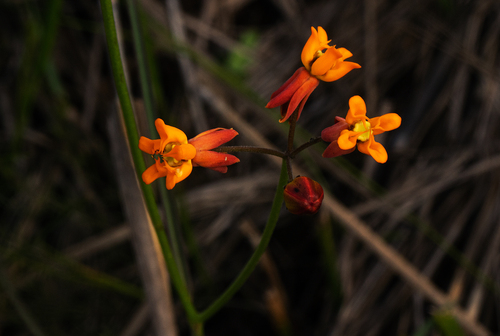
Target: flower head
{"points": [[327, 66], [210, 139], [175, 157], [303, 196], [172, 155], [358, 129]]}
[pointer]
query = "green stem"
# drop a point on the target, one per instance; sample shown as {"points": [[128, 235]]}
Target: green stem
{"points": [[142, 64], [148, 106], [131, 128], [254, 259], [251, 149]]}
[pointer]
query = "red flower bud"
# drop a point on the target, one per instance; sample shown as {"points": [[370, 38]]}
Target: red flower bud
{"points": [[303, 196]]}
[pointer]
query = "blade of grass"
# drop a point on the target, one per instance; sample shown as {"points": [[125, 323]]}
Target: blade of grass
{"points": [[147, 95], [133, 138]]}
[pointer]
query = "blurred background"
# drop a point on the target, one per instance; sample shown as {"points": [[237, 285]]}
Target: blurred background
{"points": [[68, 265]]}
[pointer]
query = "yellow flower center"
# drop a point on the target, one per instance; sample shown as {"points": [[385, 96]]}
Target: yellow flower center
{"points": [[365, 127]]}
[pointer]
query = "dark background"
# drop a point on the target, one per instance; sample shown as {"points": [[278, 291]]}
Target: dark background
{"points": [[67, 265]]}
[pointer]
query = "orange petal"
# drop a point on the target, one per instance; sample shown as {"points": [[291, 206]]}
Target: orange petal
{"points": [[385, 123], [357, 110], [302, 93], [182, 152], [170, 133], [149, 146], [151, 174], [347, 139], [179, 174], [345, 53], [312, 45], [212, 138], [373, 148], [161, 129], [338, 71], [325, 62], [322, 37]]}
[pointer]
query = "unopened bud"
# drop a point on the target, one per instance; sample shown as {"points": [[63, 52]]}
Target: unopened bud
{"points": [[303, 196]]}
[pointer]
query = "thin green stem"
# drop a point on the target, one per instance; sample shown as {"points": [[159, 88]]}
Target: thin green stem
{"points": [[311, 142], [251, 149], [289, 168], [254, 259], [289, 150], [131, 128], [291, 131], [142, 63]]}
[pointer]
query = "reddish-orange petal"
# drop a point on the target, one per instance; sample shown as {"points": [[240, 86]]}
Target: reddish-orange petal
{"points": [[333, 150], [289, 80], [286, 93], [302, 93], [357, 110], [212, 138], [332, 133], [210, 159], [325, 62]]}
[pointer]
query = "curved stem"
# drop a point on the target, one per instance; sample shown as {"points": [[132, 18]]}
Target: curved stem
{"points": [[254, 259], [251, 149], [311, 142]]}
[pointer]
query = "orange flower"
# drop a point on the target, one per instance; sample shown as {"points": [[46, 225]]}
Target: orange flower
{"points": [[328, 66], [358, 129], [172, 154], [210, 139]]}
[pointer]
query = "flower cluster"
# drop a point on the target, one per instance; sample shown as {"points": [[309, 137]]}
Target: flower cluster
{"points": [[175, 156], [327, 63]]}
